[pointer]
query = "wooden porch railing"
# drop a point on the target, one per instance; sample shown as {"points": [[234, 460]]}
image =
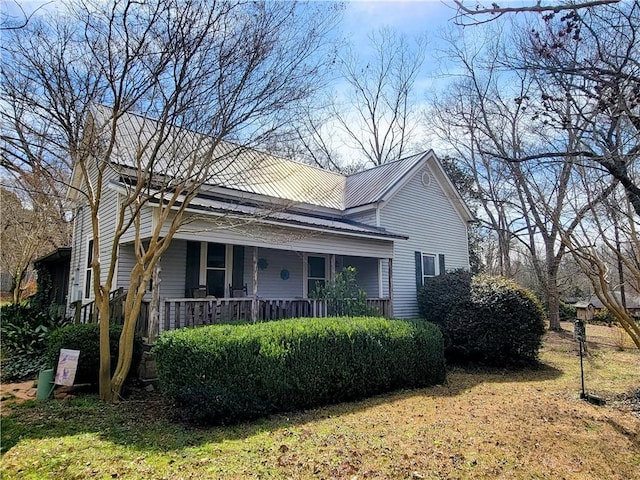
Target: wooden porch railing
{"points": [[193, 312], [88, 313]]}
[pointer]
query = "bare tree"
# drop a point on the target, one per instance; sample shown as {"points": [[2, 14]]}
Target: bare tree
{"points": [[579, 110], [33, 222], [376, 115], [607, 249], [586, 66], [483, 118], [226, 70], [476, 12]]}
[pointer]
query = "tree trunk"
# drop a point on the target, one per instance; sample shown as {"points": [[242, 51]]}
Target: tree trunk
{"points": [[553, 305], [125, 351], [104, 375]]}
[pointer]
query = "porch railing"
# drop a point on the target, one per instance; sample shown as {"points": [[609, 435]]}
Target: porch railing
{"points": [[88, 313], [193, 312]]}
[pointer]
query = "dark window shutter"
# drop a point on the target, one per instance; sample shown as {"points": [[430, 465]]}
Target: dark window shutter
{"points": [[237, 275], [441, 261], [192, 280], [418, 269]]}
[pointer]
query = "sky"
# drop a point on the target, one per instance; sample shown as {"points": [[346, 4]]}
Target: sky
{"points": [[360, 18]]}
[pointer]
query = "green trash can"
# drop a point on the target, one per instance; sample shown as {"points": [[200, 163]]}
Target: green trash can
{"points": [[45, 384]]}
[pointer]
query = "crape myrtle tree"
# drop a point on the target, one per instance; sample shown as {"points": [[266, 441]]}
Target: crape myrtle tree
{"points": [[224, 69]]}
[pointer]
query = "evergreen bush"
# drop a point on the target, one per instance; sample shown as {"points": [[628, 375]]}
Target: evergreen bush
{"points": [[486, 320], [234, 372], [567, 312], [24, 329], [86, 338], [344, 297]]}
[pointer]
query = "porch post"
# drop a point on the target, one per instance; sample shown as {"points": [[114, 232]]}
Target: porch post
{"points": [[390, 313], [332, 267], [254, 300]]}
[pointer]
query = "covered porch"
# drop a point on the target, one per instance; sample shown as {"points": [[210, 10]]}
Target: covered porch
{"points": [[204, 283]]}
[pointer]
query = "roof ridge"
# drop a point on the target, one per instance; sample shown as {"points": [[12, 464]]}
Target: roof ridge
{"points": [[418, 154]]}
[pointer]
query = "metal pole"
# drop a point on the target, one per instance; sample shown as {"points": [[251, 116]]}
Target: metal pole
{"points": [[582, 395]]}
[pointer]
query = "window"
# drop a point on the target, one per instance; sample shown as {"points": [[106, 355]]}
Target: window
{"points": [[216, 269], [428, 265], [89, 271], [316, 273]]}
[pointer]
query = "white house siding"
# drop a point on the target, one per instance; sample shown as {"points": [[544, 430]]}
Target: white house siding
{"points": [[146, 225], [173, 270], [126, 262], [83, 233], [78, 263], [433, 225], [367, 217], [270, 283], [366, 274]]}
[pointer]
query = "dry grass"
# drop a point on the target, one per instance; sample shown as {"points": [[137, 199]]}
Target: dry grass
{"points": [[529, 424]]}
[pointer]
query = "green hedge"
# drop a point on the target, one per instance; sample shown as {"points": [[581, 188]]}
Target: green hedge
{"points": [[484, 319], [86, 338], [225, 373]]}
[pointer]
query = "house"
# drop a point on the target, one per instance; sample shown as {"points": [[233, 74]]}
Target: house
{"points": [[264, 231], [586, 309]]}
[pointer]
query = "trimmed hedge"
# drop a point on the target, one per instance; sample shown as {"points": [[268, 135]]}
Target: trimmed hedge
{"points": [[487, 320], [86, 338], [227, 373]]}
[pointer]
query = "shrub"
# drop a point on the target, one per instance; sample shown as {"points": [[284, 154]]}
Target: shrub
{"points": [[603, 317], [344, 297], [234, 372], [86, 338], [487, 320], [25, 330], [567, 312]]}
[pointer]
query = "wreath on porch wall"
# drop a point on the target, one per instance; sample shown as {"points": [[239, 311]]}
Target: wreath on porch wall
{"points": [[284, 274], [262, 263]]}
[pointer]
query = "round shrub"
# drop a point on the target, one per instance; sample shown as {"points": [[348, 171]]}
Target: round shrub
{"points": [[486, 320], [86, 338], [236, 372]]}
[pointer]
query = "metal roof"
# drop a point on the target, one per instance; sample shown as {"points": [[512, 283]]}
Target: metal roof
{"points": [[243, 169], [371, 185]]}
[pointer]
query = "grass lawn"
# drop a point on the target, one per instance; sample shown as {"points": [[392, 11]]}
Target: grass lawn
{"points": [[528, 424]]}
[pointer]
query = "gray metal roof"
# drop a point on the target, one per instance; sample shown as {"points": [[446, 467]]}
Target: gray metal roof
{"points": [[371, 185], [243, 169]]}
